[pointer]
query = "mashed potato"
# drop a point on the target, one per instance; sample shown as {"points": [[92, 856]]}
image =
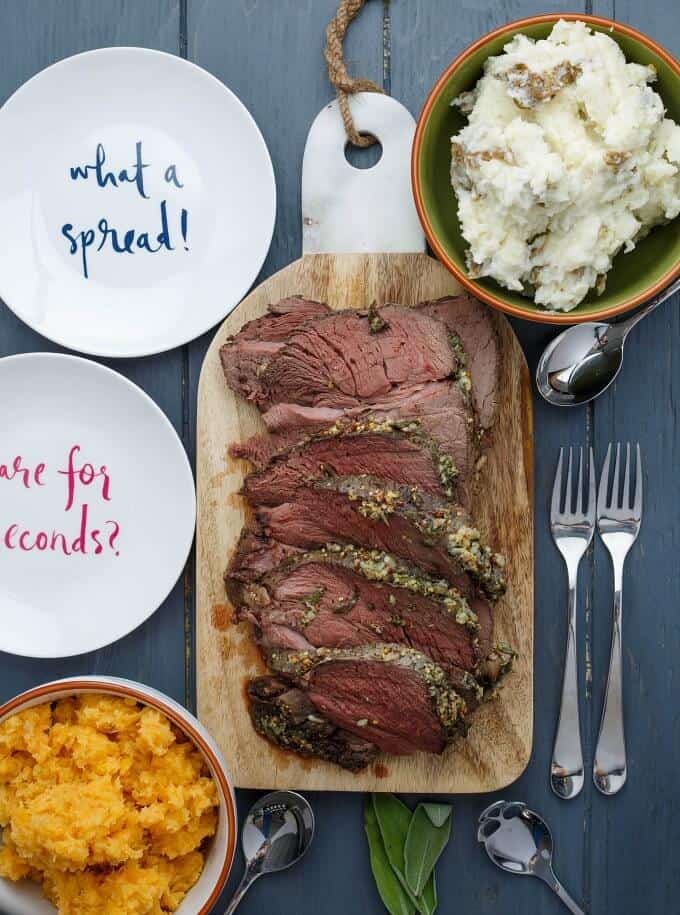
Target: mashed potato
{"points": [[105, 803], [567, 158]]}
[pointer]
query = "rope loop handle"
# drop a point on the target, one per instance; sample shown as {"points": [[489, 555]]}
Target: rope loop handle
{"points": [[346, 85]]}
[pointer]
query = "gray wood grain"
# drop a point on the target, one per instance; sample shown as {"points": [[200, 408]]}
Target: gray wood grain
{"points": [[631, 869], [621, 854]]}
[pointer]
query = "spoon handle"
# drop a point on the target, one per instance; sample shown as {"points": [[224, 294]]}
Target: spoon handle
{"points": [[566, 898], [666, 293], [248, 878]]}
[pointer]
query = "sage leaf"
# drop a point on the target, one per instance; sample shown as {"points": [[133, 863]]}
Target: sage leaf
{"points": [[438, 813], [392, 893], [424, 844], [427, 903], [394, 819]]}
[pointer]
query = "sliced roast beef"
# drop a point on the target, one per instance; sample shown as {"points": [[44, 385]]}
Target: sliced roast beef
{"points": [[246, 355], [390, 695], [401, 454], [346, 359], [471, 325], [343, 598], [288, 717], [261, 560], [434, 534], [254, 557], [363, 576], [440, 409]]}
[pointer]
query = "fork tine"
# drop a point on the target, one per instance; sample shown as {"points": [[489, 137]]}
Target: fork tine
{"points": [[557, 489], [615, 485], [625, 498], [590, 508], [569, 494], [604, 482], [637, 504], [579, 483]]}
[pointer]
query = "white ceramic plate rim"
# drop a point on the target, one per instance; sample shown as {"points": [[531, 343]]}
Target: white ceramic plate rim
{"points": [[141, 353], [96, 366]]}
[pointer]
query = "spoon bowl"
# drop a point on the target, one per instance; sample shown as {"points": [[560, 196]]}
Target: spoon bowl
{"points": [[584, 360], [519, 842], [277, 832], [579, 365]]}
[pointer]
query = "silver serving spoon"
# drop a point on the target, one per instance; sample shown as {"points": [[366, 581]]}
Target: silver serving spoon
{"points": [[277, 832], [585, 359], [519, 842]]}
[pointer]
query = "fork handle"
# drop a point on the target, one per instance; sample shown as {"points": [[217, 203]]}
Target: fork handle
{"points": [[566, 768], [609, 768]]}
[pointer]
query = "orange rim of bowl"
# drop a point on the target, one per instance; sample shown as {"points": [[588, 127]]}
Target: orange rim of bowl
{"points": [[103, 687], [489, 298]]}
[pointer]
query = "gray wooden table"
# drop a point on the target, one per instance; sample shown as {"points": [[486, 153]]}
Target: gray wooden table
{"points": [[620, 855]]}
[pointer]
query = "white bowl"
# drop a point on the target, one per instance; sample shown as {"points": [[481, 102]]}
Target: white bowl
{"points": [[25, 898]]}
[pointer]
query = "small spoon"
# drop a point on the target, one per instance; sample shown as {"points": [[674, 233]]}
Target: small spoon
{"points": [[277, 832], [584, 360], [519, 842]]}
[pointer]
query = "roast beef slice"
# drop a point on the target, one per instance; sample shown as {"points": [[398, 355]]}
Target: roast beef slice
{"points": [[435, 535], [326, 602], [390, 695], [245, 355], [340, 361], [439, 408], [288, 717], [401, 455], [472, 323]]}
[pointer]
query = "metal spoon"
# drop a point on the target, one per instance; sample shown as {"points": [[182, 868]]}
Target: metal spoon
{"points": [[277, 832], [585, 359], [519, 842]]}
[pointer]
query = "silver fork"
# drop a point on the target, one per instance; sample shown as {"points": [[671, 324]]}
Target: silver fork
{"points": [[618, 522], [572, 532]]}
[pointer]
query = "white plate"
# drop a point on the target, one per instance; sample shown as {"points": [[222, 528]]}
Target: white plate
{"points": [[61, 593], [194, 132]]}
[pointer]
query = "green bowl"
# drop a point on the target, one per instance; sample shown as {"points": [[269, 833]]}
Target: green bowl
{"points": [[634, 277]]}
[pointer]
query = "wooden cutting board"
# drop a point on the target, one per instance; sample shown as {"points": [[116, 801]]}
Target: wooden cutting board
{"points": [[499, 744]]}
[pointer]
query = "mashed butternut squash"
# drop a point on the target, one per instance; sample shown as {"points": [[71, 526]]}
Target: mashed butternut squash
{"points": [[105, 803]]}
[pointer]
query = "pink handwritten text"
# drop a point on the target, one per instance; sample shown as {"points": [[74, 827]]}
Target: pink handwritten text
{"points": [[85, 475], [26, 475], [88, 538]]}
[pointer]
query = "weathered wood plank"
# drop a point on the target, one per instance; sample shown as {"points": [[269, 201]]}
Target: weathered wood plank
{"points": [[659, 19], [268, 51], [631, 872], [34, 35], [643, 406]]}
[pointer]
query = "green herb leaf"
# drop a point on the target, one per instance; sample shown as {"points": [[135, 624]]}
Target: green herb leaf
{"points": [[424, 844], [427, 903], [392, 893], [438, 813], [394, 819]]}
